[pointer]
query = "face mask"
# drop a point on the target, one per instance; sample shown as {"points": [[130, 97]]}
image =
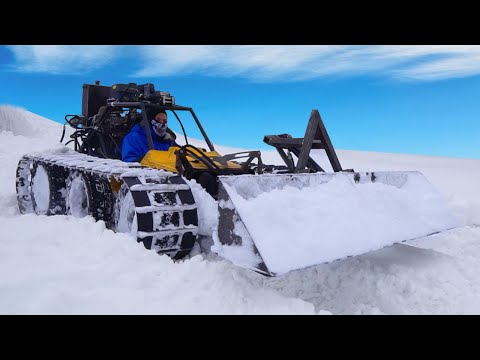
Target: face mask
{"points": [[160, 129]]}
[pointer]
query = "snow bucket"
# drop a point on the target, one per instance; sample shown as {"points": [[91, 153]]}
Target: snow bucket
{"points": [[276, 223]]}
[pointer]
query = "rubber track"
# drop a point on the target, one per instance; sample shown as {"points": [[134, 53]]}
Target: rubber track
{"points": [[164, 204]]}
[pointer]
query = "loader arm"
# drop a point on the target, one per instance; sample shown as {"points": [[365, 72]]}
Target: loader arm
{"points": [[190, 160], [316, 137]]}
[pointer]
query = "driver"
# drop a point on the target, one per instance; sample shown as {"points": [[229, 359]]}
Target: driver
{"points": [[135, 143]]}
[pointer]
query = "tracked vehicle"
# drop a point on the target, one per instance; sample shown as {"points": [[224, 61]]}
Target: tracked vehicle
{"points": [[153, 201]]}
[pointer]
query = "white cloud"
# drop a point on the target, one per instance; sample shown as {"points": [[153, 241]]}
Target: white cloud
{"points": [[260, 62], [295, 62], [61, 59], [252, 61], [453, 66]]}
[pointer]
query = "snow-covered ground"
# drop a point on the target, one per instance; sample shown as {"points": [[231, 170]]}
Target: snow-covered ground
{"points": [[66, 265]]}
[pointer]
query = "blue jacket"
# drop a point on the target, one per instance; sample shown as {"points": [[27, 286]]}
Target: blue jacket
{"points": [[135, 144]]}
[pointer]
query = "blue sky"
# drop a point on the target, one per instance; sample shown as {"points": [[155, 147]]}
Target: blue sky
{"points": [[401, 99]]}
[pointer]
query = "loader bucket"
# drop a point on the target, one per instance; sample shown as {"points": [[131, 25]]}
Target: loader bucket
{"points": [[277, 223]]}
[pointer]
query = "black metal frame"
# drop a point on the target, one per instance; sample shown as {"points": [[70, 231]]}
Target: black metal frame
{"points": [[98, 105], [145, 122], [316, 137]]}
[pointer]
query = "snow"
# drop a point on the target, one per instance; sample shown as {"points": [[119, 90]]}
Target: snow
{"points": [[206, 209], [77, 200], [67, 265], [40, 189]]}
